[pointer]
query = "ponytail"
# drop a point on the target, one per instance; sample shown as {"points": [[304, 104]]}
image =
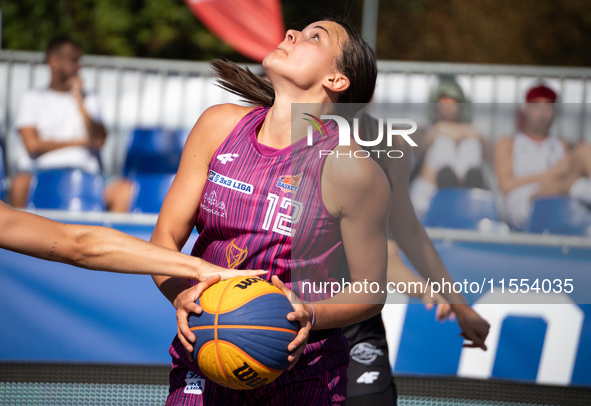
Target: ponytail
{"points": [[242, 82]]}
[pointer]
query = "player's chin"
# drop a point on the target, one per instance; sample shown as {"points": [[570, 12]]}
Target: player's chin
{"points": [[273, 61]]}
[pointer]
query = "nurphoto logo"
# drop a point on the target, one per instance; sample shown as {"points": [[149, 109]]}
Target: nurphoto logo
{"points": [[392, 129]]}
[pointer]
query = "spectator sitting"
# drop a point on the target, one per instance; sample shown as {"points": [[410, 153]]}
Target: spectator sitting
{"points": [[534, 162], [61, 127], [454, 148]]}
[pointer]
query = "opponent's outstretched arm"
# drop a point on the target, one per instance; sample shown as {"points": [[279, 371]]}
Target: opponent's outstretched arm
{"points": [[412, 238], [94, 247]]}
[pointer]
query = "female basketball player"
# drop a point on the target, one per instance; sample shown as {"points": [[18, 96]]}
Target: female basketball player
{"points": [[341, 202], [101, 248], [240, 157]]}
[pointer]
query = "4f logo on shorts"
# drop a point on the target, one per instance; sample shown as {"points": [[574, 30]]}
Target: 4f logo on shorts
{"points": [[230, 183], [229, 157], [365, 353], [368, 377], [194, 383]]}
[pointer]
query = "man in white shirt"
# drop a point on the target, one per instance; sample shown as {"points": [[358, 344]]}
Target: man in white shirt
{"points": [[453, 148], [61, 127], [534, 162]]}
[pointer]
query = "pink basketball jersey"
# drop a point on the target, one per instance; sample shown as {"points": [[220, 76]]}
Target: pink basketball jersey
{"points": [[262, 208]]}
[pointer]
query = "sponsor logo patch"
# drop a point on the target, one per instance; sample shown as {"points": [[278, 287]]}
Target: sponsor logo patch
{"points": [[229, 183], [235, 255], [365, 353], [194, 383], [289, 183], [211, 205]]}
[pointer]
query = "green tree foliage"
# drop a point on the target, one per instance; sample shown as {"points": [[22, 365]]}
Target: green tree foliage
{"points": [[149, 28], [538, 32]]}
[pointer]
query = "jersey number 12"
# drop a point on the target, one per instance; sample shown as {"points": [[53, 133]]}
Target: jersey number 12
{"points": [[283, 221]]}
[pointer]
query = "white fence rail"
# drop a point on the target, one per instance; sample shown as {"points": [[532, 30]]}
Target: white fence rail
{"points": [[139, 92]]}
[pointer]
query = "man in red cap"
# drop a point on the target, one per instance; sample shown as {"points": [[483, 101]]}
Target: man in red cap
{"points": [[534, 162]]}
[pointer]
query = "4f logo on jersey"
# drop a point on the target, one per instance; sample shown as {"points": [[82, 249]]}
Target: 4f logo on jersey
{"points": [[229, 183], [289, 183], [235, 255], [229, 157]]}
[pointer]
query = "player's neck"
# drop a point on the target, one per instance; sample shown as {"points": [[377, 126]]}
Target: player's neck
{"points": [[280, 129], [275, 131]]}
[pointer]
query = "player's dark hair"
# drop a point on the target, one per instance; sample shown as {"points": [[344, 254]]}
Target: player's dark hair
{"points": [[56, 43], [357, 63]]}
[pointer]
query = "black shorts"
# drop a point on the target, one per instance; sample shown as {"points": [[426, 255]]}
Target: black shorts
{"points": [[369, 370]]}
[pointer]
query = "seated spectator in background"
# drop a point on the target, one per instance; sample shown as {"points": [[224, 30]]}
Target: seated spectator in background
{"points": [[61, 127], [454, 147], [534, 162]]}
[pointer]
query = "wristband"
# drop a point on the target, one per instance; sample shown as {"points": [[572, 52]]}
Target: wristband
{"points": [[313, 311]]}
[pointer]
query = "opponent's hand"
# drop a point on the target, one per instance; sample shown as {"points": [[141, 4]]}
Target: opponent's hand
{"points": [[205, 270], [474, 328], [184, 305], [299, 314], [443, 310]]}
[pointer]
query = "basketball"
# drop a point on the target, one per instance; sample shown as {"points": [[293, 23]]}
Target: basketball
{"points": [[243, 332]]}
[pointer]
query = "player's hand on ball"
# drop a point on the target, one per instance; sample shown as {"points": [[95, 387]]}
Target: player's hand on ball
{"points": [[474, 328], [301, 315], [207, 270], [184, 305]]}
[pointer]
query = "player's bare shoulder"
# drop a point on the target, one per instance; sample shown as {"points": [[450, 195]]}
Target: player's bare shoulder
{"points": [[349, 179], [213, 126]]}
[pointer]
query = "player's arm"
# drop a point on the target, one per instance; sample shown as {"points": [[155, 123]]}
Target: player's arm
{"points": [[36, 146], [413, 240], [181, 207], [503, 162], [93, 247], [398, 272], [356, 191]]}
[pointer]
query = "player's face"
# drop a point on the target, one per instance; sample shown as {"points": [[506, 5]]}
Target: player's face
{"points": [[307, 57], [66, 62], [448, 109], [539, 114]]}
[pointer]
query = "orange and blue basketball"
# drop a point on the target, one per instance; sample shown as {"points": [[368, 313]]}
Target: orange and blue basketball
{"points": [[243, 332]]}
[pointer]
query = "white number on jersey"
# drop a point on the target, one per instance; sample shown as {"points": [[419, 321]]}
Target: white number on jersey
{"points": [[282, 220], [368, 377], [227, 157]]}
